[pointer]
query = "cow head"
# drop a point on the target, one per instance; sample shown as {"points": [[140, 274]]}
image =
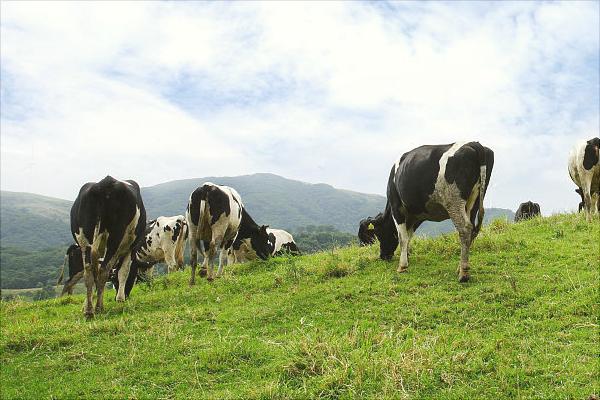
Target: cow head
{"points": [[366, 231], [591, 155], [387, 234], [262, 244]]}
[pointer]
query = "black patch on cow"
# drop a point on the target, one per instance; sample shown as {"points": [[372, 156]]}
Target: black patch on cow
{"points": [[176, 230], [167, 228], [463, 168], [590, 156], [415, 178]]}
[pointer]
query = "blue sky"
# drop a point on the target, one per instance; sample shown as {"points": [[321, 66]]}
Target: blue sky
{"points": [[322, 92]]}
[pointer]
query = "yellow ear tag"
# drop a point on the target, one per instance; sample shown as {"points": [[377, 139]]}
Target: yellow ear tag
{"points": [[370, 227]]}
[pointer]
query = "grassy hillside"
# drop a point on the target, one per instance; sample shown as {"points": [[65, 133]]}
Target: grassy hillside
{"points": [[337, 324]]}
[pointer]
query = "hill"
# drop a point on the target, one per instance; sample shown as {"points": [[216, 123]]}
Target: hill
{"points": [[31, 221], [334, 324]]}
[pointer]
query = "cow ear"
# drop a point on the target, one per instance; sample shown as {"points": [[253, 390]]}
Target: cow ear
{"points": [[590, 156]]}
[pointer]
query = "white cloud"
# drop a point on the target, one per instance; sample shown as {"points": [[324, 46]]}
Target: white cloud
{"points": [[325, 92]]}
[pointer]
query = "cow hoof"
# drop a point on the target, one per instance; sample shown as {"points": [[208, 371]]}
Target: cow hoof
{"points": [[99, 310], [210, 278], [402, 269], [120, 299], [463, 278], [192, 283], [202, 273], [89, 315]]}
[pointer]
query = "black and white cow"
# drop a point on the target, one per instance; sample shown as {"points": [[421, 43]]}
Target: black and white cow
{"points": [[164, 242], [107, 221], [216, 216], [283, 243], [584, 169], [527, 210], [74, 262], [366, 231], [434, 183]]}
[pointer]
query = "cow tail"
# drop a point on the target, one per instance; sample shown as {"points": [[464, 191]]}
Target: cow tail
{"points": [[62, 271], [482, 181]]}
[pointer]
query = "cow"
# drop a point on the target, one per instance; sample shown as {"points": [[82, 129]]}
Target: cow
{"points": [[164, 242], [581, 205], [107, 221], [527, 210], [74, 261], [366, 231], [584, 169], [283, 243], [435, 183], [216, 216]]}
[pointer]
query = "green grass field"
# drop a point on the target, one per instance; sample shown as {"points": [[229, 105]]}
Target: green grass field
{"points": [[341, 324]]}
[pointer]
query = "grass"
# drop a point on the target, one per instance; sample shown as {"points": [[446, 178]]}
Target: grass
{"points": [[339, 324]]}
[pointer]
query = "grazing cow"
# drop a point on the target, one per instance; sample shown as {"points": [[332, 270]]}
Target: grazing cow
{"points": [[434, 183], [107, 221], [366, 231], [584, 169], [216, 216], [527, 210], [164, 242], [74, 260], [283, 243]]}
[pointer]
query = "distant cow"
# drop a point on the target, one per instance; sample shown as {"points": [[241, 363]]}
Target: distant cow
{"points": [[527, 210], [283, 243], [74, 263], [584, 169], [434, 183], [216, 216], [366, 231], [107, 221]]}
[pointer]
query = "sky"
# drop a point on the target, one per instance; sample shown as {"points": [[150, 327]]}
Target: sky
{"points": [[331, 92]]}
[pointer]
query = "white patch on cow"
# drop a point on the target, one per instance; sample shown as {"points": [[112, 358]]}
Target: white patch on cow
{"points": [[587, 180]]}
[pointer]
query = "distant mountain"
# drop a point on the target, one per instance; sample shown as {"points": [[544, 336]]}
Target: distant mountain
{"points": [[33, 228], [31, 221], [273, 200]]}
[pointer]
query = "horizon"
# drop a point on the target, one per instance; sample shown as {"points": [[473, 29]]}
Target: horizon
{"points": [[153, 91]]}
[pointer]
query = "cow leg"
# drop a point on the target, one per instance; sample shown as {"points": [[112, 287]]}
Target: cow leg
{"points": [[465, 230], [102, 277], [222, 261], [193, 258], [210, 259], [203, 246], [404, 234], [88, 277], [122, 276]]}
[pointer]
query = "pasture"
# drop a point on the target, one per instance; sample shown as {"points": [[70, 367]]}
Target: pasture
{"points": [[337, 324]]}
